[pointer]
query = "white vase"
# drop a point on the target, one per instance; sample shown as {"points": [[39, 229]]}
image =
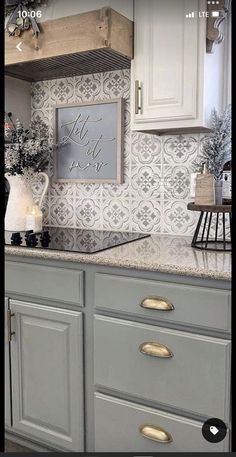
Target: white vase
{"points": [[20, 197]]}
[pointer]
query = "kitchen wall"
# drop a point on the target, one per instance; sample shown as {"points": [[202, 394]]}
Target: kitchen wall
{"points": [[17, 99], [155, 192]]}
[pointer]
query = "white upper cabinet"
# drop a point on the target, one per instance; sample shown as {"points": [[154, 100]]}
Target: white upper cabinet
{"points": [[174, 82]]}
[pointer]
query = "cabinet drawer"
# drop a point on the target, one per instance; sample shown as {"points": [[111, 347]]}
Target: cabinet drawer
{"points": [[59, 284], [190, 372], [118, 424], [195, 306]]}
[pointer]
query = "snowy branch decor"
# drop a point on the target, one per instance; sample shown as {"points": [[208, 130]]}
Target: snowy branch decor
{"points": [[216, 146], [26, 150]]}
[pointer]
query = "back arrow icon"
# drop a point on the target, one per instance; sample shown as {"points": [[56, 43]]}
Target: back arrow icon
{"points": [[18, 46]]}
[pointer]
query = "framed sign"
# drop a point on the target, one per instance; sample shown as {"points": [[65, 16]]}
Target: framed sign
{"points": [[88, 139]]}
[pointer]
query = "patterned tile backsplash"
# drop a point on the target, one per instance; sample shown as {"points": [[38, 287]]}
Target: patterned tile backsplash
{"points": [[155, 192]]}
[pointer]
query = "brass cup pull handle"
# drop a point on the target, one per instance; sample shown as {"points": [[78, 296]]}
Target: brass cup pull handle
{"points": [[158, 303], [152, 432], [155, 350]]}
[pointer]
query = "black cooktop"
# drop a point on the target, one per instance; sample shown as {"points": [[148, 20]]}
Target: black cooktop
{"points": [[71, 239]]}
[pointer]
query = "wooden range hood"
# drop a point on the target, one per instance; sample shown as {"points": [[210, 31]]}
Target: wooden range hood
{"points": [[92, 42]]}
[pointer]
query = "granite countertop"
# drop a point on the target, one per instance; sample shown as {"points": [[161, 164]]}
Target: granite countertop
{"points": [[159, 253]]}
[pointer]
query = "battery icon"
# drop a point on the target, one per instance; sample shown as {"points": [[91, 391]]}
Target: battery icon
{"points": [[215, 14]]}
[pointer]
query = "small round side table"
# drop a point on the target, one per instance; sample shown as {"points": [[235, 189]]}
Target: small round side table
{"points": [[208, 234]]}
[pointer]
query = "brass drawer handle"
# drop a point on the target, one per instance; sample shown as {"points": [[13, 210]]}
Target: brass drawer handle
{"points": [[159, 303], [155, 349], [155, 433]]}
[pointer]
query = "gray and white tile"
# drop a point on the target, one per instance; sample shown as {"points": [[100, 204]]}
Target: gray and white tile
{"points": [[116, 84], [146, 216], [88, 87], [88, 190], [146, 181], [60, 189], [62, 91], [62, 211], [40, 94], [178, 219], [176, 182], [87, 213], [116, 190], [146, 148], [155, 192], [116, 214], [178, 149]]}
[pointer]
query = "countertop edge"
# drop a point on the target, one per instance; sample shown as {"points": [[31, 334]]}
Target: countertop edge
{"points": [[96, 259]]}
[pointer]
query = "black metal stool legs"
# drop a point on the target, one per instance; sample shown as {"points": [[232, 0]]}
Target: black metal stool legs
{"points": [[215, 243]]}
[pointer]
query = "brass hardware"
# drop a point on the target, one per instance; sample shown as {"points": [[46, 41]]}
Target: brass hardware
{"points": [[159, 303], [152, 432], [9, 332], [155, 350], [138, 106]]}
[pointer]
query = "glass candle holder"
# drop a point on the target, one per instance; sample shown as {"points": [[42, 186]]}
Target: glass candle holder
{"points": [[34, 218]]}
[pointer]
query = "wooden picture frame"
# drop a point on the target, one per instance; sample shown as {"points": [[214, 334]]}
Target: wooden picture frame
{"points": [[88, 142]]}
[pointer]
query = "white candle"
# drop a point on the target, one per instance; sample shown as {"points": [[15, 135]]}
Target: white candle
{"points": [[34, 219]]}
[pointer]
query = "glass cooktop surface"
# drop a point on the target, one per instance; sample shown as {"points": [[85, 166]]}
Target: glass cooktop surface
{"points": [[71, 239]]}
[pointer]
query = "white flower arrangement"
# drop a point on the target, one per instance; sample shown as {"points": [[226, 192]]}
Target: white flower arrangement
{"points": [[26, 150]]}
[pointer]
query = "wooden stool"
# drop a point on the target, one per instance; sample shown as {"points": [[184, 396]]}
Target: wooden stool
{"points": [[201, 238]]}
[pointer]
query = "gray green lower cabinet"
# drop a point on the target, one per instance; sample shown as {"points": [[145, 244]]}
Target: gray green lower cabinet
{"points": [[179, 379], [104, 359], [7, 371], [192, 305], [119, 425], [47, 370]]}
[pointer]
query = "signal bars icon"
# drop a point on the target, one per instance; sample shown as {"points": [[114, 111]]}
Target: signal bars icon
{"points": [[190, 15]]}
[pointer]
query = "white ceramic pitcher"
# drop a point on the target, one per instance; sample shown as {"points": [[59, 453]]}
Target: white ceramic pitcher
{"points": [[20, 197]]}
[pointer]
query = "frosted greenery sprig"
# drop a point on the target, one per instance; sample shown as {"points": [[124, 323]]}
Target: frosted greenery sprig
{"points": [[216, 146], [27, 150]]}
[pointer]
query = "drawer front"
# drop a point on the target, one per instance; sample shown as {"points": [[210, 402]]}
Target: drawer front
{"points": [[186, 371], [59, 284], [196, 306], [119, 425]]}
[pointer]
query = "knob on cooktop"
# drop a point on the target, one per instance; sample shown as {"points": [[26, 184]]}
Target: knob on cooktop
{"points": [[16, 239], [45, 239], [31, 240]]}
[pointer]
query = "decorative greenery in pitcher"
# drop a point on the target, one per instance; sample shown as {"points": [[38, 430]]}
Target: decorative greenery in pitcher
{"points": [[216, 146], [26, 150]]}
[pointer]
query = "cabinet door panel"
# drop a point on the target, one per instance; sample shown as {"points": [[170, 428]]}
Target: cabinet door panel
{"points": [[7, 373], [165, 63], [47, 374]]}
